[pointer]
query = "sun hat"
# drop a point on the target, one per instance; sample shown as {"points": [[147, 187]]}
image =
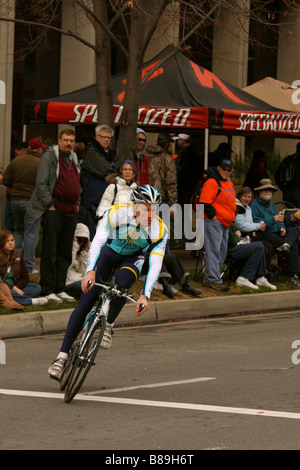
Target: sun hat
{"points": [[265, 183]]}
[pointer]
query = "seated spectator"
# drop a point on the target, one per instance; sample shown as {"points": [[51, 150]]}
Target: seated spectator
{"points": [[257, 171], [281, 238], [77, 268], [6, 300], [172, 275], [218, 197], [119, 191], [252, 254], [244, 223], [14, 273]]}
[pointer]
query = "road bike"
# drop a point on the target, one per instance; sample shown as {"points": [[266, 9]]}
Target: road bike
{"points": [[84, 349]]}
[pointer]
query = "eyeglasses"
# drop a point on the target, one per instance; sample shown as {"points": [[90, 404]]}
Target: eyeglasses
{"points": [[105, 137], [141, 140]]}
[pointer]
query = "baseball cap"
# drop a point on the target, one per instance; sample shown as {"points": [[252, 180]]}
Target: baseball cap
{"points": [[35, 144], [182, 136], [225, 162]]}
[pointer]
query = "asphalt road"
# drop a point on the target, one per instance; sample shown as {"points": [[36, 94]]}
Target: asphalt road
{"points": [[227, 383]]}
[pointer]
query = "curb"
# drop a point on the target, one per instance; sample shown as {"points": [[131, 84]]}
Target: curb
{"points": [[45, 322]]}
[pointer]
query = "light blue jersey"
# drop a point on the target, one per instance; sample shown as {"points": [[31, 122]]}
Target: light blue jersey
{"points": [[120, 230]]}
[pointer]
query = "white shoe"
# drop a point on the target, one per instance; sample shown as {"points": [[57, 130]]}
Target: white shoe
{"points": [[65, 296], [57, 368], [53, 297], [243, 282], [40, 301], [34, 271], [263, 282], [107, 338]]}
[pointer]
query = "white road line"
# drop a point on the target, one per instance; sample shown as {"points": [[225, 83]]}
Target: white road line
{"points": [[161, 404], [160, 384]]}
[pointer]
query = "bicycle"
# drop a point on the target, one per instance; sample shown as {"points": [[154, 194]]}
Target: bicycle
{"points": [[84, 349]]}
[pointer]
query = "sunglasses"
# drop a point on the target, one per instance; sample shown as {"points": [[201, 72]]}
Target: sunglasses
{"points": [[142, 140], [228, 170]]}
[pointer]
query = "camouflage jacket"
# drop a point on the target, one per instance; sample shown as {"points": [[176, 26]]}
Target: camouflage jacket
{"points": [[162, 171]]}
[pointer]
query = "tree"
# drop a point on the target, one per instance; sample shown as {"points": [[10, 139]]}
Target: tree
{"points": [[130, 25]]}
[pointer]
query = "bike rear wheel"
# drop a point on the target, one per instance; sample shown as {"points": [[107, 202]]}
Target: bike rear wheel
{"points": [[82, 359]]}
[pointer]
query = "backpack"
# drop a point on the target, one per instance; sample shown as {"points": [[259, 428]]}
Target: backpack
{"points": [[198, 189], [285, 173]]}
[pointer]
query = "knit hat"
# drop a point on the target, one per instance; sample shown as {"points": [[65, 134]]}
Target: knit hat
{"points": [[82, 231], [130, 163]]}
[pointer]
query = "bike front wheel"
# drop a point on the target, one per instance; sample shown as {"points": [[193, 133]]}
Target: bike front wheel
{"points": [[82, 358]]}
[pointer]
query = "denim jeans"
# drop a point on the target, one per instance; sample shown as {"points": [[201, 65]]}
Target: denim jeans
{"points": [[31, 238], [31, 290]]}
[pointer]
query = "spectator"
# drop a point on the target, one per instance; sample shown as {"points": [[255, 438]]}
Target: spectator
{"points": [[19, 177], [162, 169], [252, 256], [19, 150], [188, 168], [56, 199], [119, 191], [244, 223], [98, 167], [282, 239], [257, 171], [224, 151], [76, 271], [173, 273], [14, 273], [219, 213], [287, 177], [140, 159]]}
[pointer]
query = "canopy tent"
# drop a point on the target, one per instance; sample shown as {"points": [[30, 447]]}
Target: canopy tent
{"points": [[276, 93], [178, 95]]}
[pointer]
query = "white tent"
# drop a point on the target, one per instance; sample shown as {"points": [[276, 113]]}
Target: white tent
{"points": [[276, 93]]}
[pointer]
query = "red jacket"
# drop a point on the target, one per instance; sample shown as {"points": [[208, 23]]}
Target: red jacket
{"points": [[222, 205], [19, 270]]}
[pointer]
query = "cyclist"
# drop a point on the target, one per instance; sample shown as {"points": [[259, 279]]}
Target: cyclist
{"points": [[124, 235]]}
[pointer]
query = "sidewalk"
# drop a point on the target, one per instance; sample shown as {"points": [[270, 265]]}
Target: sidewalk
{"points": [[45, 322]]}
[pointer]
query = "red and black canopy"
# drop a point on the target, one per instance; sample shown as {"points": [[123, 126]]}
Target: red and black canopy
{"points": [[178, 95]]}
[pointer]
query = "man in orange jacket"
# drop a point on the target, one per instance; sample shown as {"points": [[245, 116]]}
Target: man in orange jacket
{"points": [[219, 213]]}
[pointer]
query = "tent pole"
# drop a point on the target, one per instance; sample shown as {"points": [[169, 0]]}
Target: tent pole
{"points": [[206, 138]]}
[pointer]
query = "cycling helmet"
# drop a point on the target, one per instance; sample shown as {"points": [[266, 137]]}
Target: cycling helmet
{"points": [[145, 194]]}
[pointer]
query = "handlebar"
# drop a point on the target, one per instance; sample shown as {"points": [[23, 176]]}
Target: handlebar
{"points": [[114, 290]]}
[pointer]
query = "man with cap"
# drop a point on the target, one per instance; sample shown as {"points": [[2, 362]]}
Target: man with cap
{"points": [[19, 177], [281, 238], [224, 150], [218, 197]]}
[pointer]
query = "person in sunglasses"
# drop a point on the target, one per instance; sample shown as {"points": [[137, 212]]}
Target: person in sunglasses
{"points": [[140, 159], [218, 197]]}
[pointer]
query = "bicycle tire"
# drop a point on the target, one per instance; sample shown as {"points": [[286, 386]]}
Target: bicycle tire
{"points": [[82, 364]]}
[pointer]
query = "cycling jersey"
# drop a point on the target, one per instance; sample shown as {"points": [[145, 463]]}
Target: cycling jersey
{"points": [[120, 230]]}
